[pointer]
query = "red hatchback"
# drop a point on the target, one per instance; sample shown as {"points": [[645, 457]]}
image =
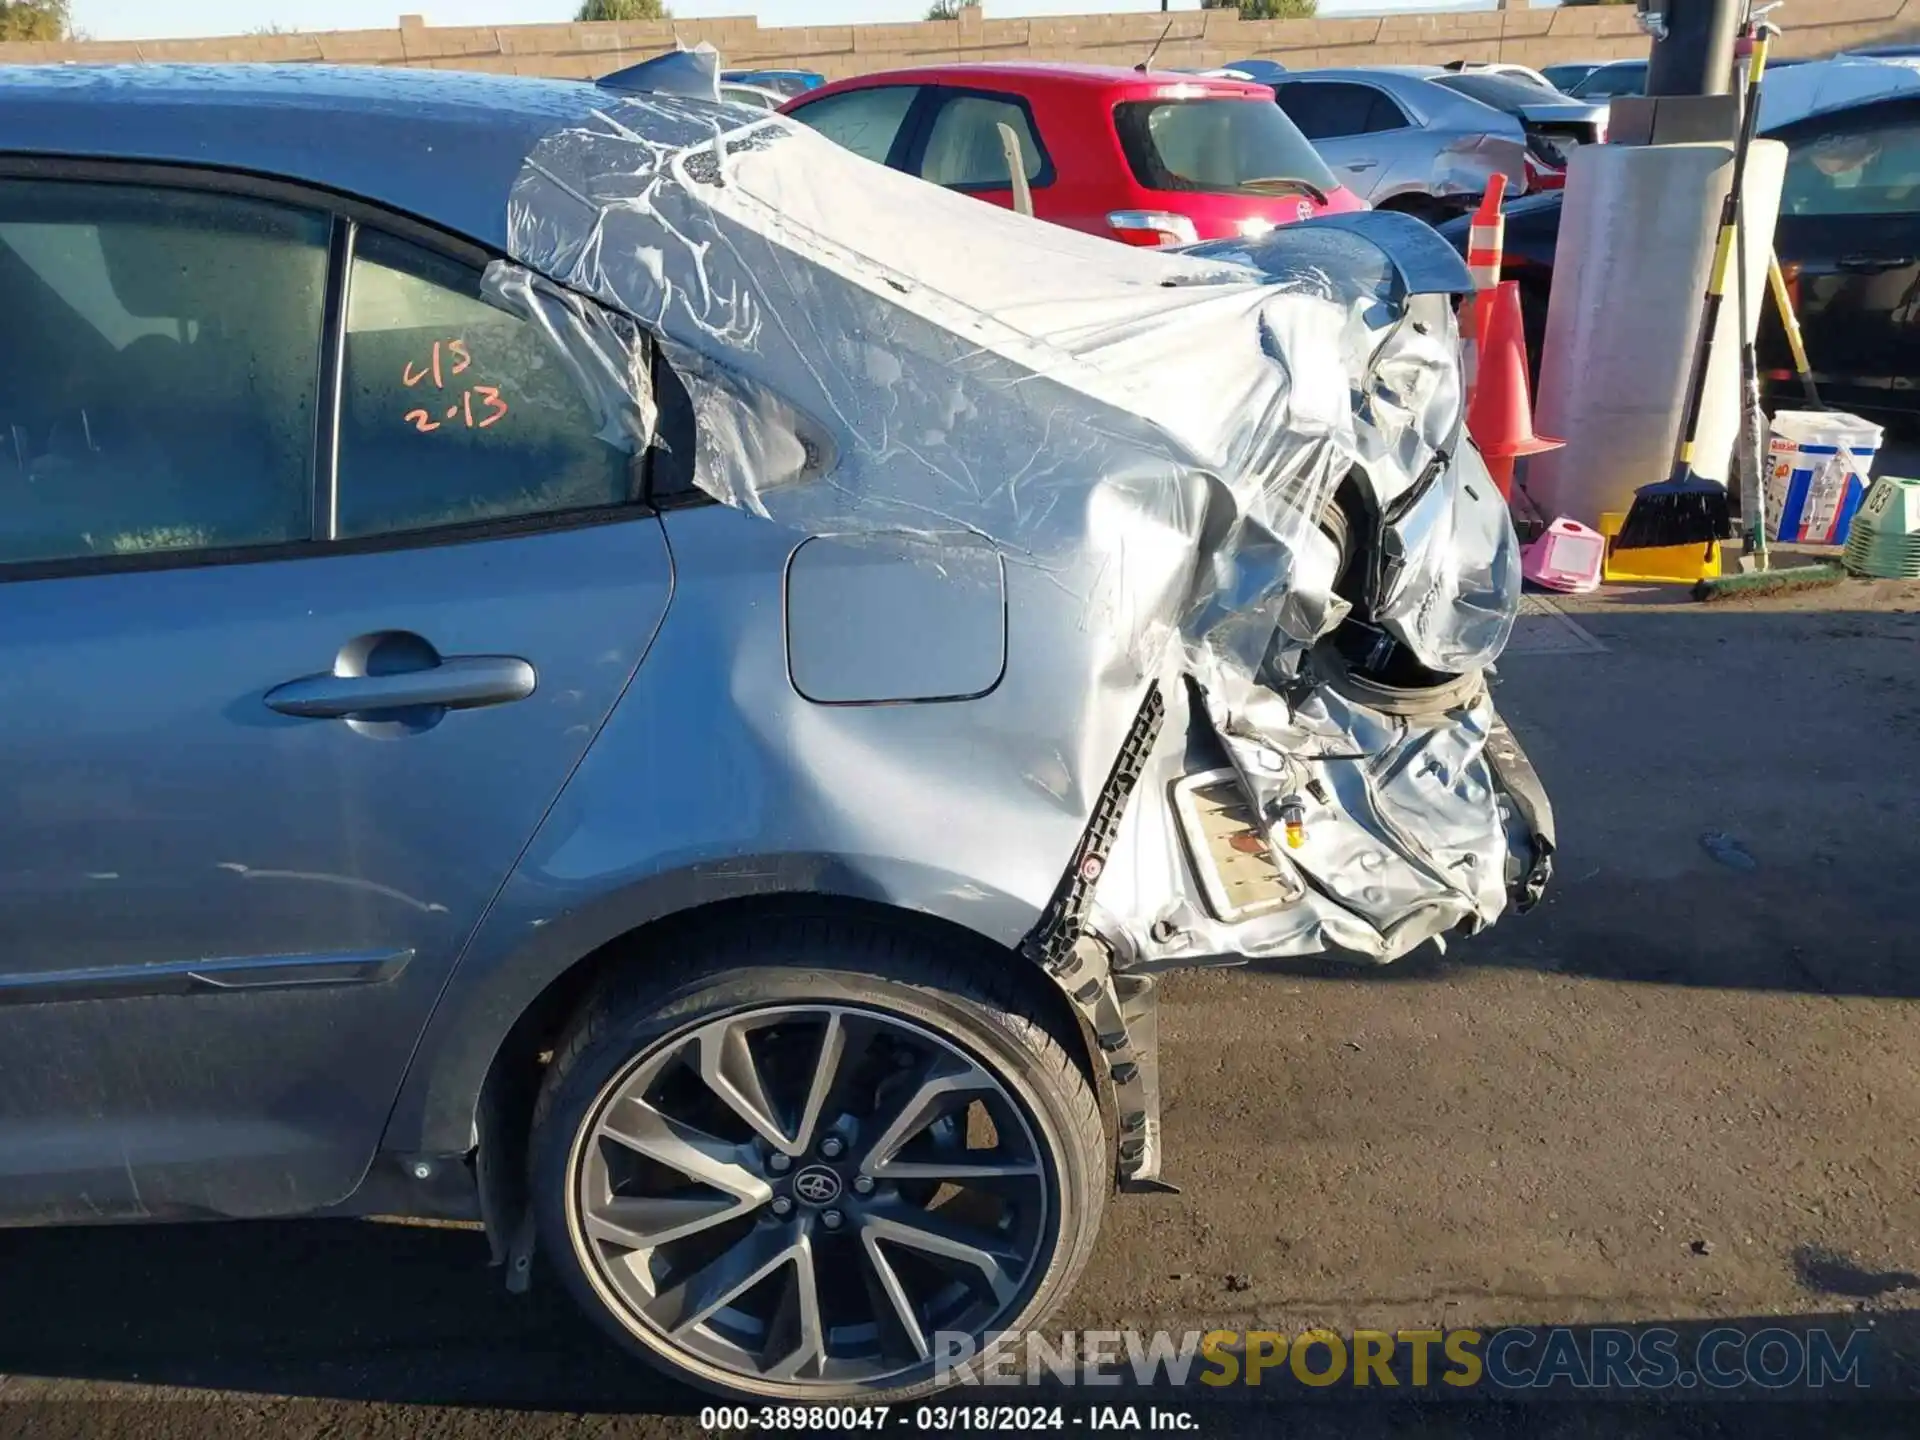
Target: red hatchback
{"points": [[1148, 158]]}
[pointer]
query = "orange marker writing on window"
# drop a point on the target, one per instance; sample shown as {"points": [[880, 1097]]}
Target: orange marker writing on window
{"points": [[492, 396], [410, 377], [461, 359], [421, 421]]}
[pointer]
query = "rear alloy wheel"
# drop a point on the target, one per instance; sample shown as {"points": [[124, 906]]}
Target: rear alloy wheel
{"points": [[792, 1183]]}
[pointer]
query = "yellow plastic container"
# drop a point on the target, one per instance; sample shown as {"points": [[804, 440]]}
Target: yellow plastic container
{"points": [[1665, 564]]}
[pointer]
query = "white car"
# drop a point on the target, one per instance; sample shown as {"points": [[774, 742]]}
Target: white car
{"points": [[1500, 67]]}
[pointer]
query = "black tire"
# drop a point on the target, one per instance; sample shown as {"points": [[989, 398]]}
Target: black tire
{"points": [[838, 962]]}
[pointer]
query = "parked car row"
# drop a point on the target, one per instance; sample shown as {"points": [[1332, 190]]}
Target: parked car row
{"points": [[1172, 157], [1848, 238], [1426, 140], [1166, 159], [1150, 159]]}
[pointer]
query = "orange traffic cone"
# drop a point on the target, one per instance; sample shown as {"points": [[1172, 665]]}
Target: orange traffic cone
{"points": [[1500, 415], [1486, 241]]}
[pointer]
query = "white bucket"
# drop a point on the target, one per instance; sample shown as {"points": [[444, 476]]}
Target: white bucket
{"points": [[1819, 464]]}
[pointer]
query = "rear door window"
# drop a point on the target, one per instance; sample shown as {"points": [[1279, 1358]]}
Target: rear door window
{"points": [[1224, 146], [964, 150], [454, 411], [1384, 113], [866, 122], [1502, 92], [1333, 109]]}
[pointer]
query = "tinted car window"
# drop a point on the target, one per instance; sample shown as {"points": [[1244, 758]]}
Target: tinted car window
{"points": [[1500, 91], [1610, 81], [863, 121], [1235, 147], [1385, 114], [964, 147], [158, 369], [1862, 169], [1327, 110], [454, 410], [1563, 76]]}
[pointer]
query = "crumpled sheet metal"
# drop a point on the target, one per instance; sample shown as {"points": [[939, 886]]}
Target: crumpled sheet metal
{"points": [[1462, 167], [1154, 434], [1405, 835]]}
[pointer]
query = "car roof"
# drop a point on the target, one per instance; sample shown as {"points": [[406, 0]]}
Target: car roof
{"points": [[443, 146], [1062, 74], [1867, 109]]}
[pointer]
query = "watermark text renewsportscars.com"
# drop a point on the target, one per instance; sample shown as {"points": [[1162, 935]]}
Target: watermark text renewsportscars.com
{"points": [[1727, 1357]]}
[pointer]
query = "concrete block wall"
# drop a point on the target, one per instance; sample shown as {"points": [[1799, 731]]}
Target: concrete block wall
{"points": [[1191, 38]]}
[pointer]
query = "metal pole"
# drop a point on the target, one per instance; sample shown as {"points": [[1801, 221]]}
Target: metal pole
{"points": [[1695, 57]]}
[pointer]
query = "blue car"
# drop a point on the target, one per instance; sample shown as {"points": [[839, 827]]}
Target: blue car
{"points": [[598, 663]]}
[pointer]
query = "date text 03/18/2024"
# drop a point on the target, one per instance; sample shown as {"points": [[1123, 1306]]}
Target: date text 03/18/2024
{"points": [[936, 1418]]}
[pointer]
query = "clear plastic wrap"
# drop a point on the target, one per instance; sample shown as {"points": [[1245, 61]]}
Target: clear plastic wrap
{"points": [[1154, 438]]}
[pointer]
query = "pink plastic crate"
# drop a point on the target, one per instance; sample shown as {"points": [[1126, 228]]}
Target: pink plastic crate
{"points": [[1567, 557]]}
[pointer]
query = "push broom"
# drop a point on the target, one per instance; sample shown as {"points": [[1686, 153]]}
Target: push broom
{"points": [[1757, 576], [1687, 508]]}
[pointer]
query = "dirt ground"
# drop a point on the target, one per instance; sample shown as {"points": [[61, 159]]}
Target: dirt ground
{"points": [[1687, 1087]]}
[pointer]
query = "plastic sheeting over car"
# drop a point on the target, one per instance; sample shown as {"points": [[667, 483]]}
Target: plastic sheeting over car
{"points": [[1153, 442]]}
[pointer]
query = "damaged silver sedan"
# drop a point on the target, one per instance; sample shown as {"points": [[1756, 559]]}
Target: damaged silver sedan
{"points": [[738, 672]]}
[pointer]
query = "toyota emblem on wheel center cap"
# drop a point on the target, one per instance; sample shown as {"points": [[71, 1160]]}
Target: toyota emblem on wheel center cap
{"points": [[817, 1185]]}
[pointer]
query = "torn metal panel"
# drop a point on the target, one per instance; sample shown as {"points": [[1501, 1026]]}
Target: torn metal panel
{"points": [[1236, 477], [1463, 167]]}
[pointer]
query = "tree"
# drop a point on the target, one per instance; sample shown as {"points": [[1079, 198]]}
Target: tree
{"points": [[944, 10], [623, 10], [1267, 9], [34, 20]]}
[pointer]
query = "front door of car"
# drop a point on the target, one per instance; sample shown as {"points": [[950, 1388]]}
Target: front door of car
{"points": [[285, 699], [1849, 238]]}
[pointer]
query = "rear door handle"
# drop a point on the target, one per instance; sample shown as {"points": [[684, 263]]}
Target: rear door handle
{"points": [[461, 682], [1361, 164], [1873, 264]]}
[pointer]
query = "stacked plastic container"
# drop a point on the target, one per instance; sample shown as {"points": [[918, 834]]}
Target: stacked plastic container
{"points": [[1819, 464]]}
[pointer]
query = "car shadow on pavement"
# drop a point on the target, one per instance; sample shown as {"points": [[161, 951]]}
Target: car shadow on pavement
{"points": [[408, 1315], [339, 1309]]}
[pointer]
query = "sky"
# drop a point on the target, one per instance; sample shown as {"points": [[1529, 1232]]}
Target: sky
{"points": [[166, 19]]}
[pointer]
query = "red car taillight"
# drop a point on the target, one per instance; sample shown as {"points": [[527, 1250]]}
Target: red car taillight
{"points": [[1152, 228], [1544, 177]]}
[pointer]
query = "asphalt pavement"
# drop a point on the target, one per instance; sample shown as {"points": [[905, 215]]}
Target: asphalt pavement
{"points": [[1684, 1090]]}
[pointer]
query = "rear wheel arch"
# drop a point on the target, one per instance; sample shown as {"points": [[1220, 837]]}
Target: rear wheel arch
{"points": [[505, 1104]]}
